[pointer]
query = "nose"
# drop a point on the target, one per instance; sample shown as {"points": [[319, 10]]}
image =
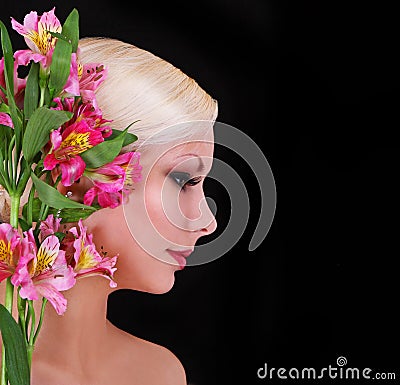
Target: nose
{"points": [[200, 218], [208, 224]]}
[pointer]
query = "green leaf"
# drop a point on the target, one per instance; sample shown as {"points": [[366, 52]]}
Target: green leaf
{"points": [[70, 29], [36, 203], [8, 61], [128, 139], [4, 108], [73, 215], [53, 198], [104, 152], [31, 97], [6, 133], [37, 132], [24, 224], [16, 356], [67, 215], [59, 36], [60, 67], [9, 79], [60, 235]]}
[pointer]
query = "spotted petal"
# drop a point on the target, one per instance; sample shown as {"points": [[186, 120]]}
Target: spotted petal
{"points": [[45, 272]]}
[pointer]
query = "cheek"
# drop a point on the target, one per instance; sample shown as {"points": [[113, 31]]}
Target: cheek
{"points": [[146, 220], [136, 269]]}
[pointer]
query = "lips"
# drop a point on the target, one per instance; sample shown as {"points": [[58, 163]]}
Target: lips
{"points": [[180, 256]]}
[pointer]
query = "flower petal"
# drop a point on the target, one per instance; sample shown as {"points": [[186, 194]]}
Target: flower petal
{"points": [[49, 226], [57, 300], [23, 57], [89, 196], [72, 170], [72, 85], [6, 120], [50, 162], [111, 200], [60, 276], [21, 29], [105, 268], [4, 273]]}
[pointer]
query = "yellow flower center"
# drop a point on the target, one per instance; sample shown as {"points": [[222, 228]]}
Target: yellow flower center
{"points": [[5, 252], [86, 259], [128, 175], [43, 39], [76, 143], [44, 260], [80, 70]]}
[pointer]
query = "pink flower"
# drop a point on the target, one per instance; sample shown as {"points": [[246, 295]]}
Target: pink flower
{"points": [[93, 74], [39, 40], [6, 120], [44, 272], [36, 32], [66, 147], [112, 179], [94, 117], [87, 261], [19, 85], [10, 249], [72, 85], [50, 226], [84, 111]]}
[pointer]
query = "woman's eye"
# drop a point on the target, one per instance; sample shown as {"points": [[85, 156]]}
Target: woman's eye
{"points": [[182, 179]]}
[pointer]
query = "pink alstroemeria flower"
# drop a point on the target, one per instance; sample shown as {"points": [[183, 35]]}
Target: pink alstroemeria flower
{"points": [[87, 260], [10, 248], [94, 117], [38, 39], [93, 74], [84, 111], [44, 272], [112, 179], [19, 85], [72, 85], [6, 120], [49, 226], [66, 147], [36, 32]]}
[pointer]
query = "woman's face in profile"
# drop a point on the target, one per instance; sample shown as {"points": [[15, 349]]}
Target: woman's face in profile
{"points": [[155, 231]]}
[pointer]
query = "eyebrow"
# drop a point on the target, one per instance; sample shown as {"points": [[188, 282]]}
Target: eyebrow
{"points": [[201, 167]]}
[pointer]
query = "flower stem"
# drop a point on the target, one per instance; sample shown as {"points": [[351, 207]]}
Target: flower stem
{"points": [[9, 296], [30, 345], [8, 302], [44, 302], [14, 210], [21, 314]]}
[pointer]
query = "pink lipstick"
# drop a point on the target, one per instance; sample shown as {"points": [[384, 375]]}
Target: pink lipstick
{"points": [[180, 256]]}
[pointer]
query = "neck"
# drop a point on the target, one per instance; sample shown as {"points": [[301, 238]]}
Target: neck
{"points": [[77, 339]]}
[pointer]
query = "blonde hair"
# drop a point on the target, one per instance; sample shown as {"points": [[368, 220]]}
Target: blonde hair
{"points": [[142, 86], [167, 104]]}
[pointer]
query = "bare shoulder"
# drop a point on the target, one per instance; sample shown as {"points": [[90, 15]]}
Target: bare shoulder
{"points": [[156, 363], [166, 362]]}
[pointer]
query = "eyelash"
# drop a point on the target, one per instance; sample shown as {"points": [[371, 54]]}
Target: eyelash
{"points": [[187, 181]]}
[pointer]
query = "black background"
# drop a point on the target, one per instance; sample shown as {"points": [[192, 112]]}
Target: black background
{"points": [[316, 85]]}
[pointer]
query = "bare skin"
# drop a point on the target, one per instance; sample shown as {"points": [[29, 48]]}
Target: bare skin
{"points": [[82, 347]]}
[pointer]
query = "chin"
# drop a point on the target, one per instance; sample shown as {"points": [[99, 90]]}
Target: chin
{"points": [[161, 286]]}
